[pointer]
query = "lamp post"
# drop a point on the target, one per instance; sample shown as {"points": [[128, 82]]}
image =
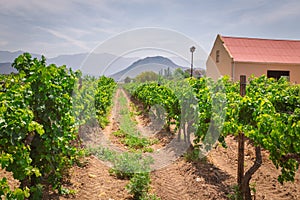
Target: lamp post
{"points": [[192, 49]]}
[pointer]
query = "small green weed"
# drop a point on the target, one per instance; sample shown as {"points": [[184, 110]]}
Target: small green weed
{"points": [[194, 155], [124, 164], [119, 133], [236, 193], [139, 185]]}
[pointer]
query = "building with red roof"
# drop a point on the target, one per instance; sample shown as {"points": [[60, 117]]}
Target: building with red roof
{"points": [[235, 56]]}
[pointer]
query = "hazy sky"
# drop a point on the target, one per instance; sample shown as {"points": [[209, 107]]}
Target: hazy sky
{"points": [[53, 27]]}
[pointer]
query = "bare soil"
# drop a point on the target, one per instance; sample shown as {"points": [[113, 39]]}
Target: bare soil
{"points": [[213, 178]]}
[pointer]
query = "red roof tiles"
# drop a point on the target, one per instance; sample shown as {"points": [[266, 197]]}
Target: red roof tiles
{"points": [[263, 50]]}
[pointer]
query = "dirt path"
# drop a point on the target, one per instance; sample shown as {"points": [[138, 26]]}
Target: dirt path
{"points": [[164, 153], [167, 151], [183, 180], [212, 179], [93, 181], [173, 177]]}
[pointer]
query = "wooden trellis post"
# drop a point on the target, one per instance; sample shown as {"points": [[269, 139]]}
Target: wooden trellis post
{"points": [[241, 143]]}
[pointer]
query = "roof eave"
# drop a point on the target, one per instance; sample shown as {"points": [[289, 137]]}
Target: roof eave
{"points": [[220, 36], [279, 63]]}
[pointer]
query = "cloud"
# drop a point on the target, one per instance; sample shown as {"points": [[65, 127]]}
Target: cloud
{"points": [[3, 43], [109, 31], [283, 12], [67, 38], [263, 12], [78, 25], [33, 7]]}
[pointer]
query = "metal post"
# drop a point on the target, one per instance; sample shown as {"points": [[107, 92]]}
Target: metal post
{"points": [[192, 49], [241, 143]]}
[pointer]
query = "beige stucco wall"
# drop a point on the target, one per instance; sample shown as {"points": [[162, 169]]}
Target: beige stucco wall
{"points": [[226, 66], [213, 69], [258, 69]]}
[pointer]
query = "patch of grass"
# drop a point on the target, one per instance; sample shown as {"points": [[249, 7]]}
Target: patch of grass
{"points": [[102, 153], [191, 156], [125, 164], [119, 133], [136, 142], [128, 164], [150, 197], [128, 133], [136, 110], [139, 185], [65, 191], [235, 195], [131, 166], [253, 188], [194, 155], [103, 120]]}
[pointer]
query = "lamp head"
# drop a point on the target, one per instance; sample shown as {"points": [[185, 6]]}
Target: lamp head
{"points": [[192, 49]]}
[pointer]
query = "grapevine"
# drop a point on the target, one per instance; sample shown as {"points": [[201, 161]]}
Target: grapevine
{"points": [[268, 115], [103, 98], [37, 125]]}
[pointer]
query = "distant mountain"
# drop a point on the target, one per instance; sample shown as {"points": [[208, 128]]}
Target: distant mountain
{"points": [[6, 68], [155, 64], [71, 61], [95, 64], [7, 56], [105, 64]]}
